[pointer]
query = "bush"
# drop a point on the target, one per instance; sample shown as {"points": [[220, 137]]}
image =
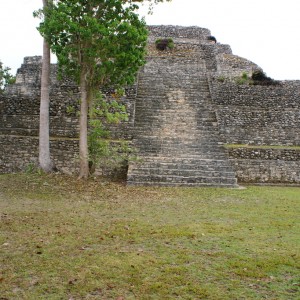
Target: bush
{"points": [[243, 79], [212, 38], [163, 44], [259, 75], [260, 78]]}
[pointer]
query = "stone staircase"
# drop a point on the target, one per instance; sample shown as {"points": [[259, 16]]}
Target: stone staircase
{"points": [[175, 131]]}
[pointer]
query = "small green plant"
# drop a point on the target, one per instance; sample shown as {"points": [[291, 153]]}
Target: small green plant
{"points": [[240, 81], [30, 168], [243, 79], [163, 44], [245, 76], [221, 78], [70, 110]]}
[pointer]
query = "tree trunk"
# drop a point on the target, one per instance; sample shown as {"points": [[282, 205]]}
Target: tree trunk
{"points": [[83, 129], [44, 140]]}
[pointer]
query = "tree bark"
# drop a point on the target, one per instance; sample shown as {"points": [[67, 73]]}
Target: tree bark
{"points": [[83, 128], [45, 161]]}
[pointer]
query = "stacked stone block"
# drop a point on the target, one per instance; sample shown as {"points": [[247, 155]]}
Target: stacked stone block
{"points": [[19, 119], [176, 131], [185, 105]]}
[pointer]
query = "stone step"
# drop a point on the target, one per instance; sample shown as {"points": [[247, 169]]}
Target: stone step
{"points": [[165, 114], [197, 137], [182, 87], [176, 131], [163, 144], [186, 162], [190, 118], [185, 154], [161, 90], [169, 149], [161, 79], [167, 108], [158, 101], [163, 140], [183, 172], [135, 182], [172, 179], [161, 118], [183, 122], [163, 101], [177, 89], [187, 151], [198, 132]]}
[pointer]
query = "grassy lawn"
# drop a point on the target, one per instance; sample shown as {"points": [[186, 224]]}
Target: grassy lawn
{"points": [[65, 239]]}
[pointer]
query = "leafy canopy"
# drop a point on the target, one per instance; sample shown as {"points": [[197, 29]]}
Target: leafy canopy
{"points": [[105, 37], [5, 77]]}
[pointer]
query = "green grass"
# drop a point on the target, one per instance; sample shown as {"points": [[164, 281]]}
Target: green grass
{"points": [[65, 239]]}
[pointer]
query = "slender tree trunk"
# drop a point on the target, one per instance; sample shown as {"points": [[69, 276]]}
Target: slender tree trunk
{"points": [[83, 130], [44, 140]]}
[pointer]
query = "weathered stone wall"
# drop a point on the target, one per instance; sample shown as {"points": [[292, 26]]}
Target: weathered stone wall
{"points": [[259, 115], [266, 165], [20, 153], [232, 66], [19, 119], [246, 114], [188, 34]]}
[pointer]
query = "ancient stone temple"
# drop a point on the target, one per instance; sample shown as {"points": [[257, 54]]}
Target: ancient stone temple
{"points": [[195, 118]]}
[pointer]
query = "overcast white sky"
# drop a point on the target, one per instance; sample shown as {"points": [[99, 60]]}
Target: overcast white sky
{"points": [[264, 31]]}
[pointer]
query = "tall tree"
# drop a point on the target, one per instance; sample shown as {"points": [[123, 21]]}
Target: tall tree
{"points": [[97, 43], [45, 162]]}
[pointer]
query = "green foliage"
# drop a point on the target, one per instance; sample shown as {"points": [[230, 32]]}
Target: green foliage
{"points": [[244, 76], [243, 79], [6, 77], [103, 36], [212, 38], [102, 150], [163, 44], [258, 75], [221, 78], [70, 109], [151, 3], [30, 168], [97, 43], [260, 78]]}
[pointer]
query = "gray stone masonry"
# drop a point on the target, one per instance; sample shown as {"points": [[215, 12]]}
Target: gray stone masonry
{"points": [[185, 105], [19, 120], [176, 131]]}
